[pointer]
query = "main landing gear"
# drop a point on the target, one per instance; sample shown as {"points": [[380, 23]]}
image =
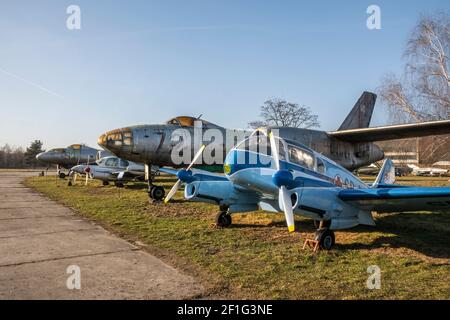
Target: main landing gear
{"points": [[156, 193], [223, 218], [324, 235], [59, 173]]}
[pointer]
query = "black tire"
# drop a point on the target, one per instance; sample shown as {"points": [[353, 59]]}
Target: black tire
{"points": [[105, 183], [326, 239], [223, 220], [157, 193], [62, 175]]}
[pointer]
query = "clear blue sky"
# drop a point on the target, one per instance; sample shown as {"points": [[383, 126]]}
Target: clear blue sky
{"points": [[141, 62]]}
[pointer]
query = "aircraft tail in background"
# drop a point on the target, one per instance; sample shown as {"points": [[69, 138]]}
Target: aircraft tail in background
{"points": [[361, 113]]}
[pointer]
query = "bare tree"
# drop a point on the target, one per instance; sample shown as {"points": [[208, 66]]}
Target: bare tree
{"points": [[422, 92], [278, 112]]}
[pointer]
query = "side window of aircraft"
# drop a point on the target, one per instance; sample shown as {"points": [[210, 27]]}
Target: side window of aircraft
{"points": [[111, 162], [301, 157], [124, 163], [127, 138], [320, 166]]}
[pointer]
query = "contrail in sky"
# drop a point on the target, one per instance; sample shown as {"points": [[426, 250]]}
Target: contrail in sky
{"points": [[31, 83]]}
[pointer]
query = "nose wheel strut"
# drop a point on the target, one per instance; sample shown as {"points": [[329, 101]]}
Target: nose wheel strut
{"points": [[155, 193]]}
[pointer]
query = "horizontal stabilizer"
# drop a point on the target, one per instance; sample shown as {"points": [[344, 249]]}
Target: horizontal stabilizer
{"points": [[401, 131]]}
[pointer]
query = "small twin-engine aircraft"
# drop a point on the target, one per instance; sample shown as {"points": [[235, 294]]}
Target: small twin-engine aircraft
{"points": [[111, 169], [70, 156], [280, 175]]}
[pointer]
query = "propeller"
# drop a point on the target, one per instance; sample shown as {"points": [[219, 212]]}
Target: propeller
{"points": [[87, 170], [183, 172], [281, 179]]}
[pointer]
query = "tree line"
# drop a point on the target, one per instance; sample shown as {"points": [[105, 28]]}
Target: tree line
{"points": [[18, 158]]}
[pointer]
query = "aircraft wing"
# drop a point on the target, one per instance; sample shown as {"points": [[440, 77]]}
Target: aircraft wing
{"points": [[393, 199], [401, 131], [198, 174]]}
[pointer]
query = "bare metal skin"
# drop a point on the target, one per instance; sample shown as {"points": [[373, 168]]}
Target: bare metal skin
{"points": [[351, 146], [70, 156]]}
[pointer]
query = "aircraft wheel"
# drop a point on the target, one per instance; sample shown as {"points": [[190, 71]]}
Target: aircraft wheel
{"points": [[223, 219], [62, 175], [326, 238], [157, 193], [105, 183], [119, 184]]}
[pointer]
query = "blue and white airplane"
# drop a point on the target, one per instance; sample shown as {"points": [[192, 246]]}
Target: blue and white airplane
{"points": [[269, 173]]}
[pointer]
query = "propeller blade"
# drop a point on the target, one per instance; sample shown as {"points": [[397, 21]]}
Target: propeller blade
{"points": [[287, 206], [172, 191], [177, 185], [197, 155], [274, 148]]}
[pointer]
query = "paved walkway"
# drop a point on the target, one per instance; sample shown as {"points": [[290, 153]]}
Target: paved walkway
{"points": [[40, 239]]}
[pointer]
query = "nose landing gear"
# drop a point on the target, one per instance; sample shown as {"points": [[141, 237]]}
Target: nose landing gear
{"points": [[155, 193], [324, 237]]}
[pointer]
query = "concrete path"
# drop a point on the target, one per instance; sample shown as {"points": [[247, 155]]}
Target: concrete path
{"points": [[40, 239]]}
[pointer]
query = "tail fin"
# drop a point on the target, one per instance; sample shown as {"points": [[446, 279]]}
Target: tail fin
{"points": [[361, 113], [386, 174]]}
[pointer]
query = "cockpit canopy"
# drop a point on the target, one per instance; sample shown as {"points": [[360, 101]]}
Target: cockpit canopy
{"points": [[187, 121], [288, 150], [113, 162]]}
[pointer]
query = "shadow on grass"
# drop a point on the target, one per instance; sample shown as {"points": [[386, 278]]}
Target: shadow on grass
{"points": [[426, 233]]}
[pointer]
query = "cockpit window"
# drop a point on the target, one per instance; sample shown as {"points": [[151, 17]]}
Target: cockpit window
{"points": [[118, 138], [320, 166], [301, 157], [58, 150], [111, 162], [124, 163]]}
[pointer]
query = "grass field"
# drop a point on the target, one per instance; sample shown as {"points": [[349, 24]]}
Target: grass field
{"points": [[257, 258]]}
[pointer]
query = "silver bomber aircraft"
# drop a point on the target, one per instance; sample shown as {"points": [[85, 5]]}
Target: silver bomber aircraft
{"points": [[351, 146], [281, 175], [68, 157]]}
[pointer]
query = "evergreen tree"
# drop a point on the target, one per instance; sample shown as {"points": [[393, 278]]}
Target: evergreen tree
{"points": [[32, 151]]}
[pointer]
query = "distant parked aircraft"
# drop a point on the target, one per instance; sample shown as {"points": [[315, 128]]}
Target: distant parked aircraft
{"points": [[111, 169], [430, 171], [70, 156]]}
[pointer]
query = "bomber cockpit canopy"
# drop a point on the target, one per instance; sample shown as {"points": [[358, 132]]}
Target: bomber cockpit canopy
{"points": [[76, 146], [187, 121]]}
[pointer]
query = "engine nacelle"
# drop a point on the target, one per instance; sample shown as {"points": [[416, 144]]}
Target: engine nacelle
{"points": [[222, 193]]}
